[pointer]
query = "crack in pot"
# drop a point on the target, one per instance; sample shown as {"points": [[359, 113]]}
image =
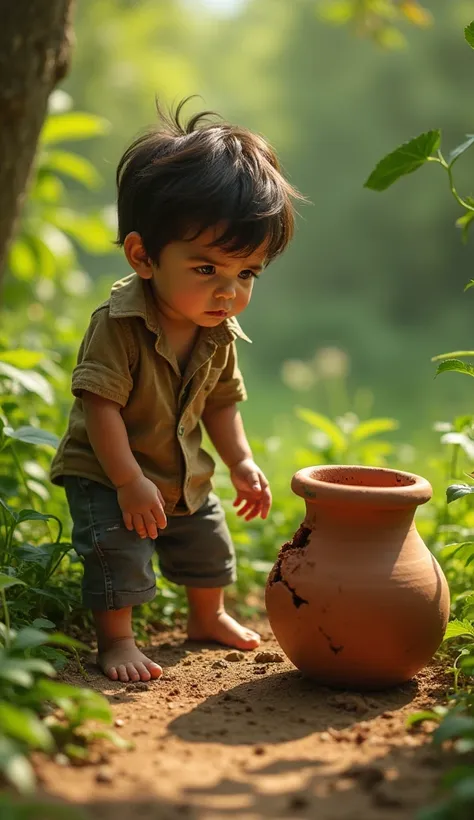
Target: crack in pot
{"points": [[299, 542], [332, 646]]}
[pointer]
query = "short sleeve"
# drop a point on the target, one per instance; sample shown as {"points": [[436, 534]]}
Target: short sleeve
{"points": [[230, 387], [104, 360]]}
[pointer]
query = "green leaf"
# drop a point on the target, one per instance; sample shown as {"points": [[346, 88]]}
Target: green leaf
{"points": [[34, 515], [89, 231], [74, 166], [15, 766], [373, 427], [468, 286], [451, 549], [460, 149], [29, 637], [43, 623], [14, 673], [327, 426], [456, 491], [25, 726], [59, 639], [34, 435], [72, 126], [7, 581], [458, 366], [454, 726], [457, 628], [404, 160], [419, 717], [464, 790], [469, 34], [24, 359], [21, 260], [464, 222], [29, 380]]}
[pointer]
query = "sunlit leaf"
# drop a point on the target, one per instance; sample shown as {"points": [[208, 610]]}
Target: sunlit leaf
{"points": [[454, 355], [373, 427], [320, 422], [457, 629], [464, 223], [89, 231], [33, 435], [15, 767], [420, 717], [24, 359], [28, 379], [404, 160], [74, 166], [72, 126], [21, 260], [456, 365]]}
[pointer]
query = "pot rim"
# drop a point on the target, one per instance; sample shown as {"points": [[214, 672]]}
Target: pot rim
{"points": [[315, 484]]}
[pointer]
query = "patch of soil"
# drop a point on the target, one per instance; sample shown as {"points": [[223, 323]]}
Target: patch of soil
{"points": [[250, 737]]}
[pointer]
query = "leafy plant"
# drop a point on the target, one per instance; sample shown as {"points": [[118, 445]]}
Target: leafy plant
{"points": [[456, 723]]}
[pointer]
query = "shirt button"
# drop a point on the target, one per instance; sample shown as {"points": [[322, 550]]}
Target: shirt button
{"points": [[181, 430]]}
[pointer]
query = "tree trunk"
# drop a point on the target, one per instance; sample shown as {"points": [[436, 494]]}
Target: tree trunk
{"points": [[35, 42]]}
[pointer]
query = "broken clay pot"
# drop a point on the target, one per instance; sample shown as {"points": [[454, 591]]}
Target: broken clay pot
{"points": [[356, 599]]}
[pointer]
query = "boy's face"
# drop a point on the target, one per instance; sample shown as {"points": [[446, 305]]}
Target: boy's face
{"points": [[200, 284]]}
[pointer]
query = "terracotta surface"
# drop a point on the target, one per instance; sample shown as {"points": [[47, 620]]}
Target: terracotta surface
{"points": [[218, 739], [356, 598]]}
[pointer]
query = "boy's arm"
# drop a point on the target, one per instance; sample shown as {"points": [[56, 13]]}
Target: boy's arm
{"points": [[226, 431], [139, 499]]}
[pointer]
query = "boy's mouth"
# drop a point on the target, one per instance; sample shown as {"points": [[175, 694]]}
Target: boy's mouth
{"points": [[220, 313]]}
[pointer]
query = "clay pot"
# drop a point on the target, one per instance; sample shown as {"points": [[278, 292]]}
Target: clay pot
{"points": [[356, 599]]}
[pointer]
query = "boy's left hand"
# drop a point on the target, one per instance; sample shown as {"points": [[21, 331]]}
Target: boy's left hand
{"points": [[253, 490]]}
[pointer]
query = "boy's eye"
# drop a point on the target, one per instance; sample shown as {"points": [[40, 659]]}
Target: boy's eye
{"points": [[206, 270], [247, 274]]}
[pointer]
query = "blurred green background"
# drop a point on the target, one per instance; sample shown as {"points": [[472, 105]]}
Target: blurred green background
{"points": [[372, 286]]}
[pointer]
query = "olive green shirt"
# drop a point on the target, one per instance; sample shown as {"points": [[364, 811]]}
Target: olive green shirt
{"points": [[125, 357]]}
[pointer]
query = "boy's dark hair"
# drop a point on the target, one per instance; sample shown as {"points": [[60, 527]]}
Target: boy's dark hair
{"points": [[180, 179]]}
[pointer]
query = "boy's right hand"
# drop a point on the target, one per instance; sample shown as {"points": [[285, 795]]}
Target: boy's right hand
{"points": [[142, 506]]}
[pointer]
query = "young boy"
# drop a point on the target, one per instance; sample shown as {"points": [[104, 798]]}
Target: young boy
{"points": [[202, 210]]}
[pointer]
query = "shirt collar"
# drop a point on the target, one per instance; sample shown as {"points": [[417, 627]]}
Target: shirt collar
{"points": [[132, 296]]}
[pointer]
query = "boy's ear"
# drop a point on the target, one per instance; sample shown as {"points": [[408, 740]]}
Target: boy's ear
{"points": [[137, 256]]}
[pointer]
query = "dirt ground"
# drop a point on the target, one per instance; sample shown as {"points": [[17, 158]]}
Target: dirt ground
{"points": [[228, 735]]}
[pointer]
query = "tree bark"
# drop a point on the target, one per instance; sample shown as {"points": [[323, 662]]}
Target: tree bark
{"points": [[35, 45]]}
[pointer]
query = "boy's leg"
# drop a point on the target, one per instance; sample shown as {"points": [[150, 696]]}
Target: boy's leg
{"points": [[118, 574], [118, 655], [197, 552], [208, 620]]}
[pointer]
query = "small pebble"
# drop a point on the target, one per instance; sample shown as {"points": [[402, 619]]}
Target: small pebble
{"points": [[234, 656], [220, 664], [260, 670], [268, 657], [259, 750], [62, 760], [119, 722], [104, 775], [298, 802]]}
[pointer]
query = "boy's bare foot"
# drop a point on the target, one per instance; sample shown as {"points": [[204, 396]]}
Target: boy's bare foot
{"points": [[223, 629], [123, 661]]}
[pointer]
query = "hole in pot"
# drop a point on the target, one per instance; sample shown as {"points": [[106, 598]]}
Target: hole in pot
{"points": [[363, 477]]}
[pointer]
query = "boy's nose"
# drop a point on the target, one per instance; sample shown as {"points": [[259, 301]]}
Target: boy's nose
{"points": [[226, 291]]}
